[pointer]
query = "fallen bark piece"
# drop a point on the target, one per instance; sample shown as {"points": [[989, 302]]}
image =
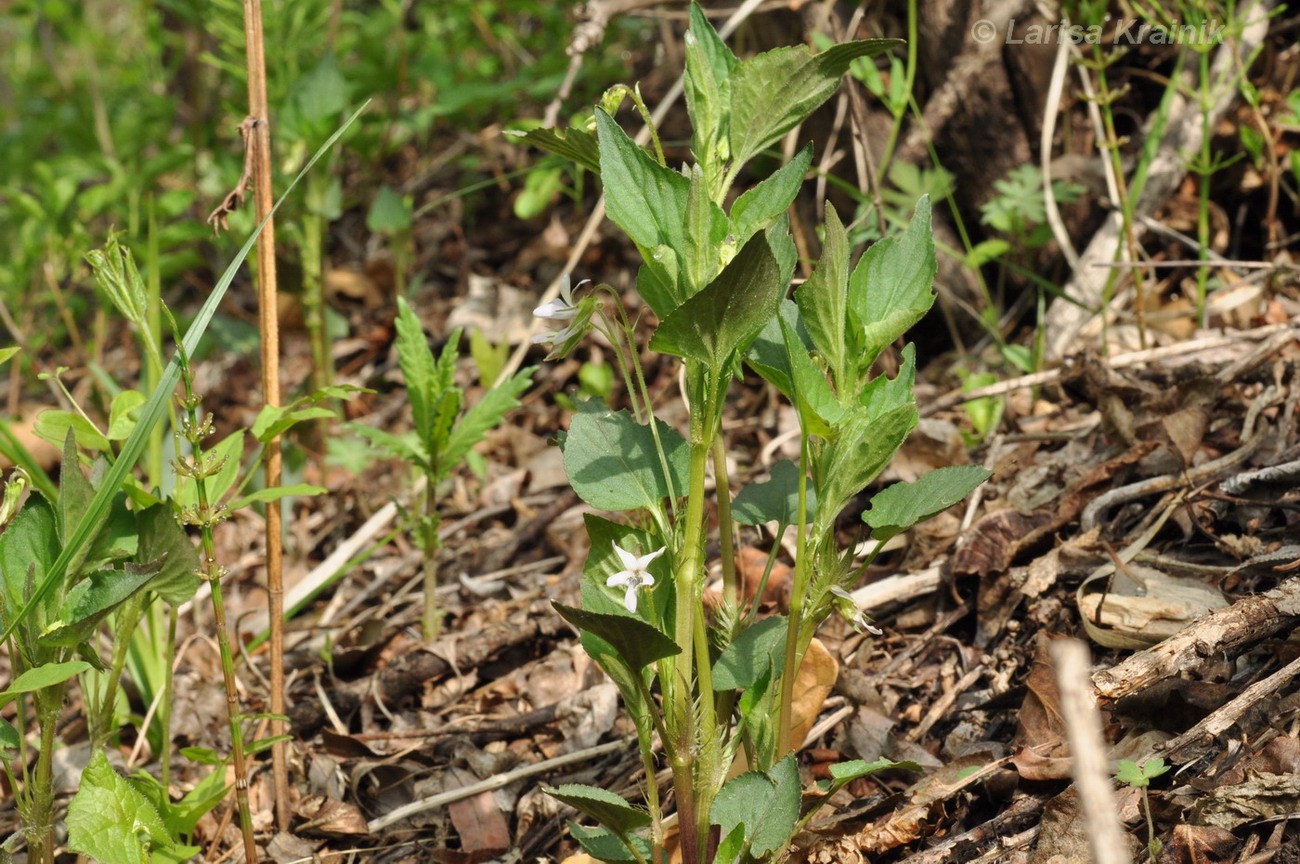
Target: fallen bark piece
{"points": [[1229, 631]]}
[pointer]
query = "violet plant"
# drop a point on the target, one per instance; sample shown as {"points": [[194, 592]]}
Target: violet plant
{"points": [[710, 687]]}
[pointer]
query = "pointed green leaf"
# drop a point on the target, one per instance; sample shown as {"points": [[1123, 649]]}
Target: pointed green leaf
{"points": [[603, 562], [28, 547], [274, 420], [576, 144], [53, 424], [776, 90], [9, 739], [424, 386], [110, 821], [761, 205], [730, 311], [708, 67], [75, 491], [605, 807], [637, 642], [823, 297], [644, 198], [92, 598], [882, 395], [603, 845], [122, 415], [275, 493], [8, 353], [612, 463], [767, 353], [843, 772], [163, 539], [890, 289], [390, 212], [756, 653], [706, 229], [818, 407], [899, 507], [775, 500], [486, 414], [767, 804], [403, 447], [853, 459], [49, 675]]}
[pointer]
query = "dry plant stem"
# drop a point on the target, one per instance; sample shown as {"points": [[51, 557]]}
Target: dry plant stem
{"points": [[269, 329], [1083, 729]]}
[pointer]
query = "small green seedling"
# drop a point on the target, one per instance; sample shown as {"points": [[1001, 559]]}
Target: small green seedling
{"points": [[443, 434], [1139, 776]]}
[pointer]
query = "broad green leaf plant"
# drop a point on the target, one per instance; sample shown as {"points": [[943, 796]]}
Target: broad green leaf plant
{"points": [[714, 685]]}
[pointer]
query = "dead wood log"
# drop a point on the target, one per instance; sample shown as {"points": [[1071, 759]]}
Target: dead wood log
{"points": [[1225, 632]]}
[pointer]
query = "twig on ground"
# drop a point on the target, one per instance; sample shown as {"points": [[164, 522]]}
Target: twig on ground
{"points": [[496, 782], [1088, 753]]}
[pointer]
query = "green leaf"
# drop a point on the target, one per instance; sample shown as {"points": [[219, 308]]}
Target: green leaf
{"points": [[706, 229], [53, 424], [75, 491], [28, 546], [753, 655], [400, 446], [776, 90], [7, 353], [763, 204], [899, 507], [822, 298], [890, 289], [709, 63], [9, 739], [774, 500], [612, 463], [729, 312], [389, 213], [421, 374], [163, 539], [843, 772], [49, 675], [637, 642], [322, 93], [605, 807], [110, 821], [275, 493], [882, 395], [486, 414], [576, 144], [603, 845], [861, 451], [91, 599], [274, 420], [767, 353], [644, 198], [1139, 776], [819, 408], [767, 804], [122, 415]]}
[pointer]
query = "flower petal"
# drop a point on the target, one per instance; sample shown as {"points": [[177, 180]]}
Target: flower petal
{"points": [[622, 577], [630, 561], [629, 599], [644, 560]]}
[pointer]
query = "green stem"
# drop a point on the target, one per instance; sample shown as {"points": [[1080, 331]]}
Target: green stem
{"points": [[730, 590], [165, 709], [101, 720], [431, 544], [909, 78], [798, 588], [40, 831]]}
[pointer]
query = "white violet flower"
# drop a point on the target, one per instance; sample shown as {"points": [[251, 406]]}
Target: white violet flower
{"points": [[562, 308], [634, 573], [847, 607]]}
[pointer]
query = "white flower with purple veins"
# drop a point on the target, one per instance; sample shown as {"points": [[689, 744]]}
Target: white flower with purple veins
{"points": [[846, 606], [634, 574]]}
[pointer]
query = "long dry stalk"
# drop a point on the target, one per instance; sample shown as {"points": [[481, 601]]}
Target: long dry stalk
{"points": [[259, 140]]}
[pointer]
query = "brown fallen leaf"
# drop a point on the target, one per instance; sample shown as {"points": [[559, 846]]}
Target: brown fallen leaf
{"points": [[816, 678], [478, 820], [1203, 844], [330, 817], [1043, 753]]}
